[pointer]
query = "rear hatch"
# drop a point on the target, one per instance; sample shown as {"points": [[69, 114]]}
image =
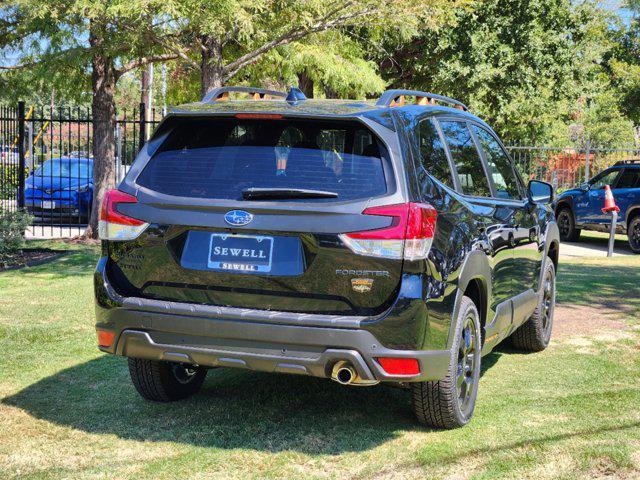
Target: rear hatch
{"points": [[248, 212]]}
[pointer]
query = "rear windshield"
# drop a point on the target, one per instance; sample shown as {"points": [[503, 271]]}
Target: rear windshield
{"points": [[220, 158]]}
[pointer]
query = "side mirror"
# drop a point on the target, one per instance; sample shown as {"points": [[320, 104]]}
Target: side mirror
{"points": [[540, 192], [585, 186]]}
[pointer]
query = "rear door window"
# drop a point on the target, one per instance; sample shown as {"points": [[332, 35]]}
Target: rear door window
{"points": [[218, 158], [500, 167], [466, 158], [433, 158]]}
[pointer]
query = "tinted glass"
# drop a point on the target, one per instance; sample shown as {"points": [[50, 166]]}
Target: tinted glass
{"points": [[219, 158], [466, 159], [630, 178], [607, 178], [65, 167], [500, 169], [433, 156]]}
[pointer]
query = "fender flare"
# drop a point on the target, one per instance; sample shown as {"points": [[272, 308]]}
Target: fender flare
{"points": [[565, 202], [631, 211], [475, 267], [551, 238]]}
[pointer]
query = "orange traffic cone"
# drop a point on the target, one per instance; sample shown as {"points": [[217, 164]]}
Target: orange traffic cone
{"points": [[609, 201]]}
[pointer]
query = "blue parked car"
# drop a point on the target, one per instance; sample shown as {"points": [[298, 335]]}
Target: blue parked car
{"points": [[581, 208], [61, 188]]}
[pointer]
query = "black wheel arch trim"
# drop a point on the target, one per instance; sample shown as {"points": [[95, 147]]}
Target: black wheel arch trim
{"points": [[475, 267], [632, 211], [551, 239], [565, 202]]}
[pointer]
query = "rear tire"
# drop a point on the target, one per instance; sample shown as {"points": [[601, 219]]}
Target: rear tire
{"points": [[534, 335], [449, 403], [165, 381], [567, 225], [633, 234]]}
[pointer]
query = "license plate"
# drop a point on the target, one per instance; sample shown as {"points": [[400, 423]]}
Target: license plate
{"points": [[48, 205], [240, 253]]}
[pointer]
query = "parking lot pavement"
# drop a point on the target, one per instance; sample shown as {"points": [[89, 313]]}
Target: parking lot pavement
{"points": [[593, 246]]}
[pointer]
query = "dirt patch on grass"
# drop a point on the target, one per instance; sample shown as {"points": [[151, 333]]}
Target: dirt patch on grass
{"points": [[30, 257], [581, 320]]}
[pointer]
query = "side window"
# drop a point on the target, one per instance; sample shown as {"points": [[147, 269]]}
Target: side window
{"points": [[630, 178], [432, 154], [466, 159], [605, 178], [500, 168]]}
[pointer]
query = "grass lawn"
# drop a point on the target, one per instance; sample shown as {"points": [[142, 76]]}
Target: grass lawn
{"points": [[68, 411]]}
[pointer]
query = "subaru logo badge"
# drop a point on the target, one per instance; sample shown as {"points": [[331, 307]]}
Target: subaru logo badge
{"points": [[238, 218]]}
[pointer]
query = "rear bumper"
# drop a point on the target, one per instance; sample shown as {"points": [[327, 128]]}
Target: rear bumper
{"points": [[64, 212], [212, 336]]}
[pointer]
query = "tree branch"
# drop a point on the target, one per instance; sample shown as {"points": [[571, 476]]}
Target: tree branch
{"points": [[325, 23], [175, 49], [140, 62], [47, 58]]}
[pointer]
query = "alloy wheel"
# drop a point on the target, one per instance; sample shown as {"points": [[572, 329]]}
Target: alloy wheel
{"points": [[548, 303], [467, 364], [183, 373], [634, 236], [564, 223]]}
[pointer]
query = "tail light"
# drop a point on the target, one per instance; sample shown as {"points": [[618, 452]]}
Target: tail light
{"points": [[409, 236], [114, 225]]}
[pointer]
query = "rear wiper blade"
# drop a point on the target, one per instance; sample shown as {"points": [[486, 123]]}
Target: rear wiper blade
{"points": [[282, 193]]}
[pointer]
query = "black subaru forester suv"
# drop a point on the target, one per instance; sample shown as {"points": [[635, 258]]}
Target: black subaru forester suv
{"points": [[363, 242]]}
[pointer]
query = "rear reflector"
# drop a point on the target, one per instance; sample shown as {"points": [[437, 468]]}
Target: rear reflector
{"points": [[114, 225], [400, 366], [409, 236], [105, 338]]}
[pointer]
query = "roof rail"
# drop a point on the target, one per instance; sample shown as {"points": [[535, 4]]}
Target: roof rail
{"points": [[395, 98], [222, 93], [630, 161]]}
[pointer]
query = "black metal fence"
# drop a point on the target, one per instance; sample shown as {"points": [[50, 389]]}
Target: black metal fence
{"points": [[568, 167], [46, 162]]}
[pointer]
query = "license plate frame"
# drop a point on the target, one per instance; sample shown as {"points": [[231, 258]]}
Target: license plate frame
{"points": [[48, 205], [242, 263]]}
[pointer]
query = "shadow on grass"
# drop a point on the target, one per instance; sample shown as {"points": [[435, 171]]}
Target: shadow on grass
{"points": [[611, 286], [235, 409], [74, 263]]}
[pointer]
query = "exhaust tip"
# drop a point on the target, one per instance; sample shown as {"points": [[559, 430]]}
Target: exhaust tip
{"points": [[343, 373]]}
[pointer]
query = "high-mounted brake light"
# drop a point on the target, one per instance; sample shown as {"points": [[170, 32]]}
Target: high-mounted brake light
{"points": [[260, 116], [409, 236], [114, 225]]}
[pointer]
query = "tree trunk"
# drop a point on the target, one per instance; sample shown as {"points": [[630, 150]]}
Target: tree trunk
{"points": [[305, 83], [211, 68], [103, 82], [330, 92]]}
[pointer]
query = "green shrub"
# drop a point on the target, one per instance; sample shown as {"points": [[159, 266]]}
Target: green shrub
{"points": [[12, 227], [8, 182]]}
